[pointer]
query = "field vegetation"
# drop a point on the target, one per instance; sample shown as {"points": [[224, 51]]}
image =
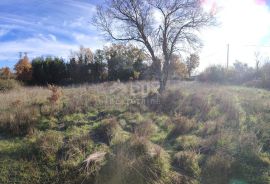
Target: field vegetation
{"points": [[128, 133]]}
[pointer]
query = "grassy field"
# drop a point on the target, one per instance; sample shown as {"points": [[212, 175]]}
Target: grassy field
{"points": [[119, 133]]}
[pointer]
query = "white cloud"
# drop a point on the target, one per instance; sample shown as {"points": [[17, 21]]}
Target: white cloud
{"points": [[37, 46], [53, 38], [3, 32], [243, 25]]}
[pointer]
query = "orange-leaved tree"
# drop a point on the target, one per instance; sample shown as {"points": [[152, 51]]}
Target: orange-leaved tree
{"points": [[5, 73], [24, 69]]}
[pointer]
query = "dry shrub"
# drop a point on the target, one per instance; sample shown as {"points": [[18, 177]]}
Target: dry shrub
{"points": [[170, 102], [190, 142], [20, 120], [80, 103], [217, 169], [197, 106], [107, 131], [76, 148], [152, 101], [177, 178], [47, 146], [229, 108], [55, 95], [209, 128], [136, 161], [182, 125], [9, 84], [188, 163], [145, 129], [94, 162]]}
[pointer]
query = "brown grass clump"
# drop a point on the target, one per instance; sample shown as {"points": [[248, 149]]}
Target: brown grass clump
{"points": [[171, 102], [107, 131], [135, 161], [188, 163], [145, 129], [94, 161], [197, 106], [182, 125], [8, 84], [217, 169], [48, 144], [56, 94], [19, 121]]}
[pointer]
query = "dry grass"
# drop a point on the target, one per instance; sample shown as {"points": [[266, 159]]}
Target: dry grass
{"points": [[200, 120]]}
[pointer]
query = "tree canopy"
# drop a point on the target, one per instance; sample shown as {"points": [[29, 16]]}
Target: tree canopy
{"points": [[161, 27]]}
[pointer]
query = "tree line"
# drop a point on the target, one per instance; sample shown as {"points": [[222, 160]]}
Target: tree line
{"points": [[115, 62]]}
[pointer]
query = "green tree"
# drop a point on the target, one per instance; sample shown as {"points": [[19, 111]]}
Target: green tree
{"points": [[123, 61], [192, 62], [49, 70]]}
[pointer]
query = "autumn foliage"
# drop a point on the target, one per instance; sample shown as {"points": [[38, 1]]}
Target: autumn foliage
{"points": [[24, 69]]}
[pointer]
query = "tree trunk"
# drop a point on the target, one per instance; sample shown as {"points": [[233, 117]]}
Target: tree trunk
{"points": [[163, 79], [162, 86]]}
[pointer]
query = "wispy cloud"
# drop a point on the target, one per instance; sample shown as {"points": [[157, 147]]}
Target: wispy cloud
{"points": [[45, 27]]}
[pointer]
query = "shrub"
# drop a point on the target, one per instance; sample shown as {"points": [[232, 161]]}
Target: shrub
{"points": [[178, 178], [108, 131], [145, 129], [190, 142], [171, 102], [56, 94], [7, 85], [213, 74], [75, 149], [19, 121], [135, 161], [197, 106], [217, 169], [182, 125], [47, 146], [188, 162]]}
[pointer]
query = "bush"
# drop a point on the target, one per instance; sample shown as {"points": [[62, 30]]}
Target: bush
{"points": [[217, 169], [108, 131], [7, 85], [47, 146], [182, 125], [19, 121], [188, 162], [187, 142], [75, 149], [197, 106], [169, 102], [213, 74], [135, 161], [145, 129]]}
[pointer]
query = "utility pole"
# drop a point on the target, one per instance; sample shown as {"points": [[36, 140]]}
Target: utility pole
{"points": [[228, 55], [20, 55]]}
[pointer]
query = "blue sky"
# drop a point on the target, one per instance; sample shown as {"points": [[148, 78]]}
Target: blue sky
{"points": [[55, 27], [45, 27]]}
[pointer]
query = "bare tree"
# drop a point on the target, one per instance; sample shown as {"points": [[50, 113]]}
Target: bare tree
{"points": [[83, 55], [162, 27]]}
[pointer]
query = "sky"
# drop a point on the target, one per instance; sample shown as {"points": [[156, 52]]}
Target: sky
{"points": [[55, 27]]}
